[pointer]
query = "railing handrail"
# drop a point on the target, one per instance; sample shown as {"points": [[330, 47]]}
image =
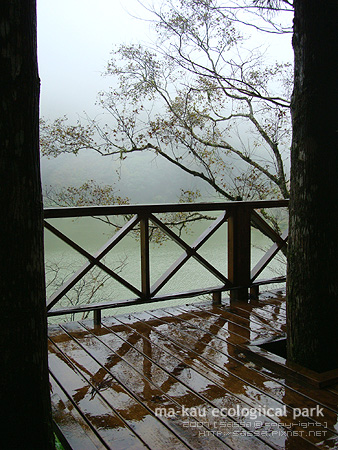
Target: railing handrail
{"points": [[239, 215], [111, 210]]}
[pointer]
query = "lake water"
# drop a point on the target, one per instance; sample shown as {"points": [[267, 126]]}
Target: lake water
{"points": [[61, 261]]}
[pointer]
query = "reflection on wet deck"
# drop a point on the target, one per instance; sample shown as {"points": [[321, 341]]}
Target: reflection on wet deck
{"points": [[132, 382]]}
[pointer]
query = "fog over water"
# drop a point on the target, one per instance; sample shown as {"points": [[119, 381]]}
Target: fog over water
{"points": [[75, 40]]}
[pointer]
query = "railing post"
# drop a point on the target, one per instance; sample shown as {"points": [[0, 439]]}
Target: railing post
{"points": [[97, 317], [254, 292], [239, 251], [145, 260], [217, 298]]}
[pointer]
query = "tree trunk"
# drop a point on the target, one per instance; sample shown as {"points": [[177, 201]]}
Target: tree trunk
{"points": [[312, 288], [24, 390]]}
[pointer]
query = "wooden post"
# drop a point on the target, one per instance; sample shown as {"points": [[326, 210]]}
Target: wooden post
{"points": [[145, 261], [217, 298], [239, 251], [254, 292], [97, 317]]}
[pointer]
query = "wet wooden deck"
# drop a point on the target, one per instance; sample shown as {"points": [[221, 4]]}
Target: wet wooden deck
{"points": [[129, 383]]}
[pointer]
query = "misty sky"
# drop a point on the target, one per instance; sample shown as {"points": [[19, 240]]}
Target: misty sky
{"points": [[75, 38]]}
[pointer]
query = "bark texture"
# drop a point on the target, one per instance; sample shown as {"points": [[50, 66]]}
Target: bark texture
{"points": [[24, 389], [312, 307]]}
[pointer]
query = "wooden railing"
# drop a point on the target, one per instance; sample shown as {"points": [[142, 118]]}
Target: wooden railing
{"points": [[239, 279]]}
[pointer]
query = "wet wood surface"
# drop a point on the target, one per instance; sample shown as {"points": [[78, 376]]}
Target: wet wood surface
{"points": [[131, 383]]}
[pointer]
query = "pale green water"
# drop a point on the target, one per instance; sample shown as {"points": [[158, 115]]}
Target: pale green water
{"points": [[91, 234]]}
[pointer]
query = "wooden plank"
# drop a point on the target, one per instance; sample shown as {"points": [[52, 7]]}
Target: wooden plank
{"points": [[102, 417], [114, 240], [278, 363], [217, 379], [333, 389], [93, 260], [226, 383], [199, 344], [266, 306], [253, 375], [276, 310], [90, 211], [267, 257], [137, 301], [222, 327], [273, 280], [134, 301], [320, 396], [177, 381], [267, 230], [242, 313], [189, 251], [274, 297], [168, 274], [73, 432], [117, 237], [68, 285], [240, 324], [270, 320], [256, 321], [105, 353], [54, 298], [157, 433], [202, 238]]}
